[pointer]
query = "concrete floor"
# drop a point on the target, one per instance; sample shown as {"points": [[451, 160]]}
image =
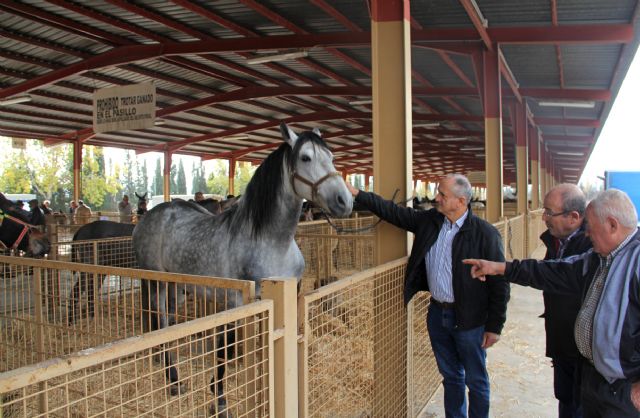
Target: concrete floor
{"points": [[521, 376]]}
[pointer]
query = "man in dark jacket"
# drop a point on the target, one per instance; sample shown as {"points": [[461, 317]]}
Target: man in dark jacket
{"points": [[608, 280], [563, 215], [36, 216], [464, 319]]}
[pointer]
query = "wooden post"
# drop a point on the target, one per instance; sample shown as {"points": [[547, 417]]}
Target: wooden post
{"points": [[37, 299], [283, 292]]}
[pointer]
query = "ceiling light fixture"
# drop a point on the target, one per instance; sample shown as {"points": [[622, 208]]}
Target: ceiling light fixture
{"points": [[452, 139], [361, 102], [159, 122], [472, 149], [277, 57], [568, 103], [237, 137], [15, 100], [573, 154], [427, 125]]}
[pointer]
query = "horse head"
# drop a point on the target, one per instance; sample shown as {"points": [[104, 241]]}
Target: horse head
{"points": [[142, 198], [313, 175]]}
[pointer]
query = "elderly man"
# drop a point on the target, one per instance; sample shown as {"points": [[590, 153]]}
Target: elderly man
{"points": [[124, 209], [464, 319], [564, 208], [608, 278]]}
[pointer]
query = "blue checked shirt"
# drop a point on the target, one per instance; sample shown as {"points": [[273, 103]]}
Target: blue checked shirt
{"points": [[438, 261]]}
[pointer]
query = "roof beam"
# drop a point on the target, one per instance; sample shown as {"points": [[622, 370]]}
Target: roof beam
{"points": [[479, 22], [587, 123], [568, 94]]}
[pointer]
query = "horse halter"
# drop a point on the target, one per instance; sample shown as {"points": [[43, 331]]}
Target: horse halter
{"points": [[25, 227], [314, 186]]}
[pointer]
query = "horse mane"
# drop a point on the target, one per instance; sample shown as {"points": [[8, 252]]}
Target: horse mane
{"points": [[10, 208], [265, 187]]}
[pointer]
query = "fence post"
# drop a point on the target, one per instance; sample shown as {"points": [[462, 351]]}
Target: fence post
{"points": [[283, 292], [37, 299]]}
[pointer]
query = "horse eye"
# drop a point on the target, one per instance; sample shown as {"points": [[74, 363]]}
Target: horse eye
{"points": [[306, 158]]}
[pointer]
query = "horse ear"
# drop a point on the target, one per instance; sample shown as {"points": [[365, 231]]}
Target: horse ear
{"points": [[288, 134], [317, 132]]}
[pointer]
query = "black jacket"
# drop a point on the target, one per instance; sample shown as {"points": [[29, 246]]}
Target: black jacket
{"points": [[477, 303], [560, 311]]}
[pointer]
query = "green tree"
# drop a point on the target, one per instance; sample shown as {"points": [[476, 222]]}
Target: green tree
{"points": [[181, 179], [158, 188], [46, 172], [142, 180], [128, 180], [198, 181], [95, 184], [173, 186], [218, 181], [244, 172]]}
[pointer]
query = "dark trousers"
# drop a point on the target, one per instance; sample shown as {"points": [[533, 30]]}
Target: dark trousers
{"points": [[462, 363], [566, 386], [603, 400]]}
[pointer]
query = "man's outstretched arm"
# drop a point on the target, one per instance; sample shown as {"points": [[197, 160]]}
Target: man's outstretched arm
{"points": [[482, 268]]}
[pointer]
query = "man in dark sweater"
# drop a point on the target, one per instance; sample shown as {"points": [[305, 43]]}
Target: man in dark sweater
{"points": [[563, 215], [463, 319]]}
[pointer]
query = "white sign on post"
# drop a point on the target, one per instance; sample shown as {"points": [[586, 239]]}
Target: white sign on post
{"points": [[124, 108]]}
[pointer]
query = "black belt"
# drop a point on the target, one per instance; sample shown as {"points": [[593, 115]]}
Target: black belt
{"points": [[443, 305]]}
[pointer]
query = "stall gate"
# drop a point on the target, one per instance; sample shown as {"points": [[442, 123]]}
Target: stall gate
{"points": [[125, 378], [52, 308]]}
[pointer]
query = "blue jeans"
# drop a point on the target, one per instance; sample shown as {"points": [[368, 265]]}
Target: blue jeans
{"points": [[461, 362]]}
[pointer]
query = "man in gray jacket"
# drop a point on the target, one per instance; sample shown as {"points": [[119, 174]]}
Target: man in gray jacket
{"points": [[607, 329]]}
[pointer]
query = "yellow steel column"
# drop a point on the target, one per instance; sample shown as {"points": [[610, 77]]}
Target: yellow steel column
{"points": [[392, 152], [77, 170], [391, 76], [493, 136], [232, 175], [522, 167], [166, 178], [543, 170], [534, 147]]}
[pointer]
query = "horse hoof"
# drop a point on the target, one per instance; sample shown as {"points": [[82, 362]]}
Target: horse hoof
{"points": [[219, 411], [178, 389]]}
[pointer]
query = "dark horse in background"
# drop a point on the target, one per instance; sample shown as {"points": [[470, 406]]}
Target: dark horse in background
{"points": [[17, 234], [216, 206], [251, 240], [85, 253]]}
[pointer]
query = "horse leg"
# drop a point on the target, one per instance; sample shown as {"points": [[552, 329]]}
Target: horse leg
{"points": [[171, 371], [75, 297], [223, 340]]}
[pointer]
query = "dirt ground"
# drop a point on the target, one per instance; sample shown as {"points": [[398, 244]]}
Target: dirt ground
{"points": [[521, 376]]}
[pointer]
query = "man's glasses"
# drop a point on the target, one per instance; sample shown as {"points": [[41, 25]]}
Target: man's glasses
{"points": [[547, 213]]}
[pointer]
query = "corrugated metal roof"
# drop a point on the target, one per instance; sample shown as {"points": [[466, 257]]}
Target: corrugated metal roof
{"points": [[41, 38]]}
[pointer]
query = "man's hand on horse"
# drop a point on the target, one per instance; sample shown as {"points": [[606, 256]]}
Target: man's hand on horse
{"points": [[482, 268]]}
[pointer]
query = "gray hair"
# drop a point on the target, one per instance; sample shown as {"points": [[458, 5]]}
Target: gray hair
{"points": [[573, 200], [461, 186], [616, 204]]}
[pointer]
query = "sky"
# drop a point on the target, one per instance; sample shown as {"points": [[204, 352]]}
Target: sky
{"points": [[618, 146]]}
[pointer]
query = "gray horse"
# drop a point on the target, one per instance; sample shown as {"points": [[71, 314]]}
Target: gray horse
{"points": [[251, 240]]}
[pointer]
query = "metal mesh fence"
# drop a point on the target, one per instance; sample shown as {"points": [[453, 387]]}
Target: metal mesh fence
{"points": [[128, 377], [356, 346], [117, 252], [424, 377], [51, 308], [536, 228]]}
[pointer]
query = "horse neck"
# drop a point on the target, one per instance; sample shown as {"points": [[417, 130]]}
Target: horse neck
{"points": [[285, 210]]}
